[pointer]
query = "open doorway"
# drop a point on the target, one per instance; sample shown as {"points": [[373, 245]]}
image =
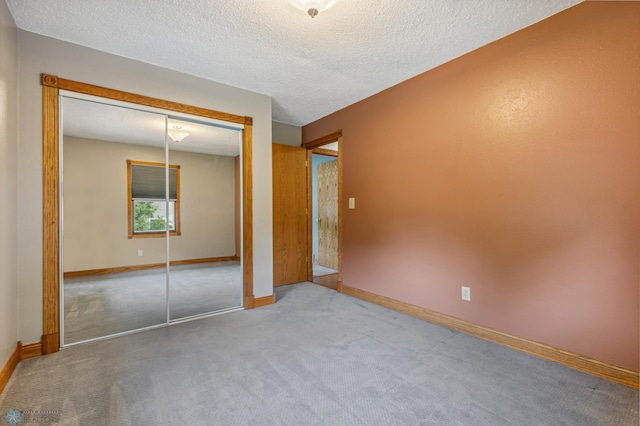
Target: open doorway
{"points": [[298, 242], [324, 215], [324, 179]]}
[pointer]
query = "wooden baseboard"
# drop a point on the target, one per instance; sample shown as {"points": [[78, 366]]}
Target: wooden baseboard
{"points": [[132, 268], [264, 301], [50, 343], [597, 368], [249, 302], [10, 366], [19, 353], [340, 287], [32, 350]]}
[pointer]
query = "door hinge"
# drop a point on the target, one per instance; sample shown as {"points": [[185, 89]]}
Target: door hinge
{"points": [[306, 163]]}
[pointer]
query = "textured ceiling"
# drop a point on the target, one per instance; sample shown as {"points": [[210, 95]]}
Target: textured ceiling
{"points": [[310, 67]]}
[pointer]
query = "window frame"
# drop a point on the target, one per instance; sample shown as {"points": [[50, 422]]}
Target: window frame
{"points": [[130, 209]]}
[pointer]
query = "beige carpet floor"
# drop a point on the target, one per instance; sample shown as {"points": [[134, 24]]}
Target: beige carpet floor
{"points": [[316, 357]]}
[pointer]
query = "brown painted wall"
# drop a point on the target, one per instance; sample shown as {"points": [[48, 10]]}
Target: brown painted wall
{"points": [[514, 170]]}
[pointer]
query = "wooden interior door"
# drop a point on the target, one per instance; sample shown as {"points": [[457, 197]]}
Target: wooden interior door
{"points": [[328, 214], [290, 239]]}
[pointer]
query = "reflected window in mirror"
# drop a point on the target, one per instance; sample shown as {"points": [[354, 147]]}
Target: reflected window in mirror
{"points": [[148, 210]]}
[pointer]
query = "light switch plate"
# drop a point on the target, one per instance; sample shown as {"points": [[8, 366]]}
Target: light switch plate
{"points": [[466, 294], [352, 203]]}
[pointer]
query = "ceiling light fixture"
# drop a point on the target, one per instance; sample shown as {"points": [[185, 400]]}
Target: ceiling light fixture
{"points": [[177, 134], [313, 7]]}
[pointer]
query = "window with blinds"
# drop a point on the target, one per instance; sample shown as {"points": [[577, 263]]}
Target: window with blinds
{"points": [[151, 209]]}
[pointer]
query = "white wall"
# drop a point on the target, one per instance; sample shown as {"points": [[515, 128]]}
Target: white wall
{"points": [[42, 54], [96, 214], [286, 134], [8, 183]]}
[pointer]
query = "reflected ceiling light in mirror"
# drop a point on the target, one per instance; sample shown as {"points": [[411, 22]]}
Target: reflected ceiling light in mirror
{"points": [[177, 134], [313, 7]]}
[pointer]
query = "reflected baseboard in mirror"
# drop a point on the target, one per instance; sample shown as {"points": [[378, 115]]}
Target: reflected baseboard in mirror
{"points": [[132, 268]]}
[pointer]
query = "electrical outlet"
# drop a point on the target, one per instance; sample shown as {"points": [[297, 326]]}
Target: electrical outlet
{"points": [[139, 252], [466, 294]]}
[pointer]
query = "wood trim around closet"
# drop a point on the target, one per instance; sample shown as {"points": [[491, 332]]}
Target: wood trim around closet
{"points": [[247, 167], [51, 225], [56, 82], [51, 85]]}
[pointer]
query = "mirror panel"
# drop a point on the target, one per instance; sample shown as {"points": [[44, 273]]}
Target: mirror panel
{"points": [[113, 280], [205, 272]]}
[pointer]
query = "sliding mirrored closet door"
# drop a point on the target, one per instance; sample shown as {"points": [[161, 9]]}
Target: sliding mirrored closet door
{"points": [[151, 218], [114, 249], [205, 272]]}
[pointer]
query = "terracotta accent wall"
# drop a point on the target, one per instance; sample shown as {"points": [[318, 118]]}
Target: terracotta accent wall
{"points": [[514, 170]]}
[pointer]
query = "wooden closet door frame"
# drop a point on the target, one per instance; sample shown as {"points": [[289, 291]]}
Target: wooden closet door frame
{"points": [[51, 85], [315, 146]]}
